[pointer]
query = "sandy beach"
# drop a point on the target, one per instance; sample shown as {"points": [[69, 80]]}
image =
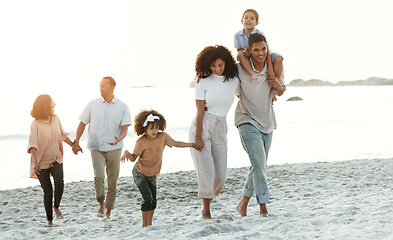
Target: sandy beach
{"points": [[326, 200]]}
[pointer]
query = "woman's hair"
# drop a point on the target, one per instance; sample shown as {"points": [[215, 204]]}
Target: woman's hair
{"points": [[252, 11], [211, 54], [43, 107], [140, 119]]}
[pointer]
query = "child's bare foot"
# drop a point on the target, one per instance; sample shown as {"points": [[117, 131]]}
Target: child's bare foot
{"points": [[263, 210], [58, 213], [254, 77], [242, 211], [273, 92], [206, 215]]}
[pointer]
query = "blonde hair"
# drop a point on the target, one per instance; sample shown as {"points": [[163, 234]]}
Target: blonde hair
{"points": [[43, 107]]}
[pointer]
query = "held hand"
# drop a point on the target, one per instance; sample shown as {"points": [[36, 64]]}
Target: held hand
{"points": [[273, 82], [117, 139], [247, 52], [76, 148], [198, 145]]}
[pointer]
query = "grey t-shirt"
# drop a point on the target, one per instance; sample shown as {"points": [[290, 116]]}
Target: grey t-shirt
{"points": [[255, 103]]}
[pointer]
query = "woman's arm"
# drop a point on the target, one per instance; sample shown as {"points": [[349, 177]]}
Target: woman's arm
{"points": [[200, 105], [68, 141]]}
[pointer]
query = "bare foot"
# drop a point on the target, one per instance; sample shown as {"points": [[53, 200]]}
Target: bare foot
{"points": [[108, 213], [273, 92], [101, 209], [242, 211], [206, 215], [263, 210], [254, 77], [58, 213], [50, 222]]}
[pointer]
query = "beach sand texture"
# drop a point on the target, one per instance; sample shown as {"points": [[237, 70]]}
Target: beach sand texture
{"points": [[326, 200]]}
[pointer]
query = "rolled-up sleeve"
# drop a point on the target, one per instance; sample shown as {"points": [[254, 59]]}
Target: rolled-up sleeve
{"points": [[126, 120], [33, 139]]}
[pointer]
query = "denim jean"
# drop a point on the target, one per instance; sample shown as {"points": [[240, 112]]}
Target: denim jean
{"points": [[257, 145]]}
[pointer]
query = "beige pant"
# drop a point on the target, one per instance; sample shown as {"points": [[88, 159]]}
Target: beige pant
{"points": [[109, 161], [211, 163]]}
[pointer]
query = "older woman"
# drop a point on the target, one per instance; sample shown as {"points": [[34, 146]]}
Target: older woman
{"points": [[217, 83], [46, 149]]}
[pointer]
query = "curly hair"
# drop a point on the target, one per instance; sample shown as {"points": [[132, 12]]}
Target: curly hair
{"points": [[211, 54], [43, 107], [140, 118]]}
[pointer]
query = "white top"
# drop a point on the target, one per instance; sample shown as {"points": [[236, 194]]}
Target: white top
{"points": [[255, 103], [105, 121], [218, 95]]}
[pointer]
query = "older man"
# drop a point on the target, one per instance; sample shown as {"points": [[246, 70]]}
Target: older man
{"points": [[108, 119], [255, 120]]}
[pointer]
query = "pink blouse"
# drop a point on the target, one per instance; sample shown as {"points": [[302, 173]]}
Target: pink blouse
{"points": [[47, 137]]}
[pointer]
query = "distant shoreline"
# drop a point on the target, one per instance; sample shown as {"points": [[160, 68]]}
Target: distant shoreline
{"points": [[372, 81]]}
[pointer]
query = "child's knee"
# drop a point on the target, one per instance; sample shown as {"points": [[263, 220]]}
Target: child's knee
{"points": [[278, 60]]}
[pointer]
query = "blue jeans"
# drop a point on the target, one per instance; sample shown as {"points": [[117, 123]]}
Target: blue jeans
{"points": [[257, 145]]}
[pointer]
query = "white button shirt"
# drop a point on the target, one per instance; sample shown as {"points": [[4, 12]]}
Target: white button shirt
{"points": [[105, 121]]}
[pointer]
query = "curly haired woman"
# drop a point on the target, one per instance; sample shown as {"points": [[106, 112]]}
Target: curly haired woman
{"points": [[217, 84]]}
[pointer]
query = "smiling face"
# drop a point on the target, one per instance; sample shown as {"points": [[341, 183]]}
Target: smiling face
{"points": [[249, 21], [152, 130], [218, 67], [258, 53]]}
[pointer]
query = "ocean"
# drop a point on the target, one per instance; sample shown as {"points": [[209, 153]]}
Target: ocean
{"points": [[330, 124]]}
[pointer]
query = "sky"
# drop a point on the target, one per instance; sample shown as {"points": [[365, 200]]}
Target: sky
{"points": [[63, 43]]}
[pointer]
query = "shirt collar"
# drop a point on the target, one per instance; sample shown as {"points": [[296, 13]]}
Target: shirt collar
{"points": [[114, 100], [252, 32], [264, 70]]}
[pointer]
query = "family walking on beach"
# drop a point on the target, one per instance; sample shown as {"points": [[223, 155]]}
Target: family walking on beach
{"points": [[255, 80]]}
